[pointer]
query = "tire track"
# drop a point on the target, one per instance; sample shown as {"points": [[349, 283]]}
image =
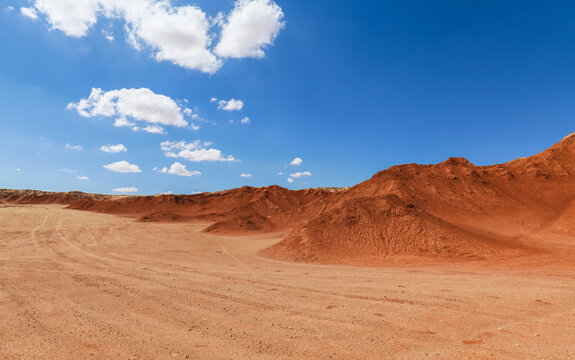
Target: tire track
{"points": [[34, 232]]}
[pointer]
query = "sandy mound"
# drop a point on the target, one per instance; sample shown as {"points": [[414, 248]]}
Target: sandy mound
{"points": [[234, 212]]}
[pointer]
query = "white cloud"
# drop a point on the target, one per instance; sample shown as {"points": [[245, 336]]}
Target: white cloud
{"points": [[290, 180], [29, 12], [179, 34], [280, 173], [154, 129], [246, 120], [132, 105], [122, 122], [247, 176], [82, 178], [204, 155], [213, 99], [179, 170], [182, 145], [123, 167], [297, 161], [73, 17], [231, 105], [300, 174], [69, 171], [251, 26], [114, 148], [9, 8], [167, 193], [74, 147], [124, 190], [194, 151], [16, 169], [182, 35]]}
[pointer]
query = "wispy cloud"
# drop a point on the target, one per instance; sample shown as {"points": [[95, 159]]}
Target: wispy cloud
{"points": [[300, 174], [74, 147], [29, 12], [194, 151], [126, 190]]}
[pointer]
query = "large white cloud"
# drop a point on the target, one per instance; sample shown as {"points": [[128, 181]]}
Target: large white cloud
{"points": [[194, 151], [179, 34], [123, 167], [252, 25], [179, 169], [131, 105], [73, 17]]}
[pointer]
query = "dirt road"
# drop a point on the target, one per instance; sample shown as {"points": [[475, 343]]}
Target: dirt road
{"points": [[79, 285]]}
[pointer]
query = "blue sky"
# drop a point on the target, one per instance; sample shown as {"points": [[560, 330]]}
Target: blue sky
{"points": [[348, 87]]}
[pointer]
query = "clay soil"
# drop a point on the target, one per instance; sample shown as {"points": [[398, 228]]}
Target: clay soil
{"points": [[84, 285]]}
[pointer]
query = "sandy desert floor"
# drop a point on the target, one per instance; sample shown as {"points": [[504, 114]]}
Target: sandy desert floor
{"points": [[80, 285]]}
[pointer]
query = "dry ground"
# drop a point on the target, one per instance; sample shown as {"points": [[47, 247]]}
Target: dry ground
{"points": [[80, 285]]}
